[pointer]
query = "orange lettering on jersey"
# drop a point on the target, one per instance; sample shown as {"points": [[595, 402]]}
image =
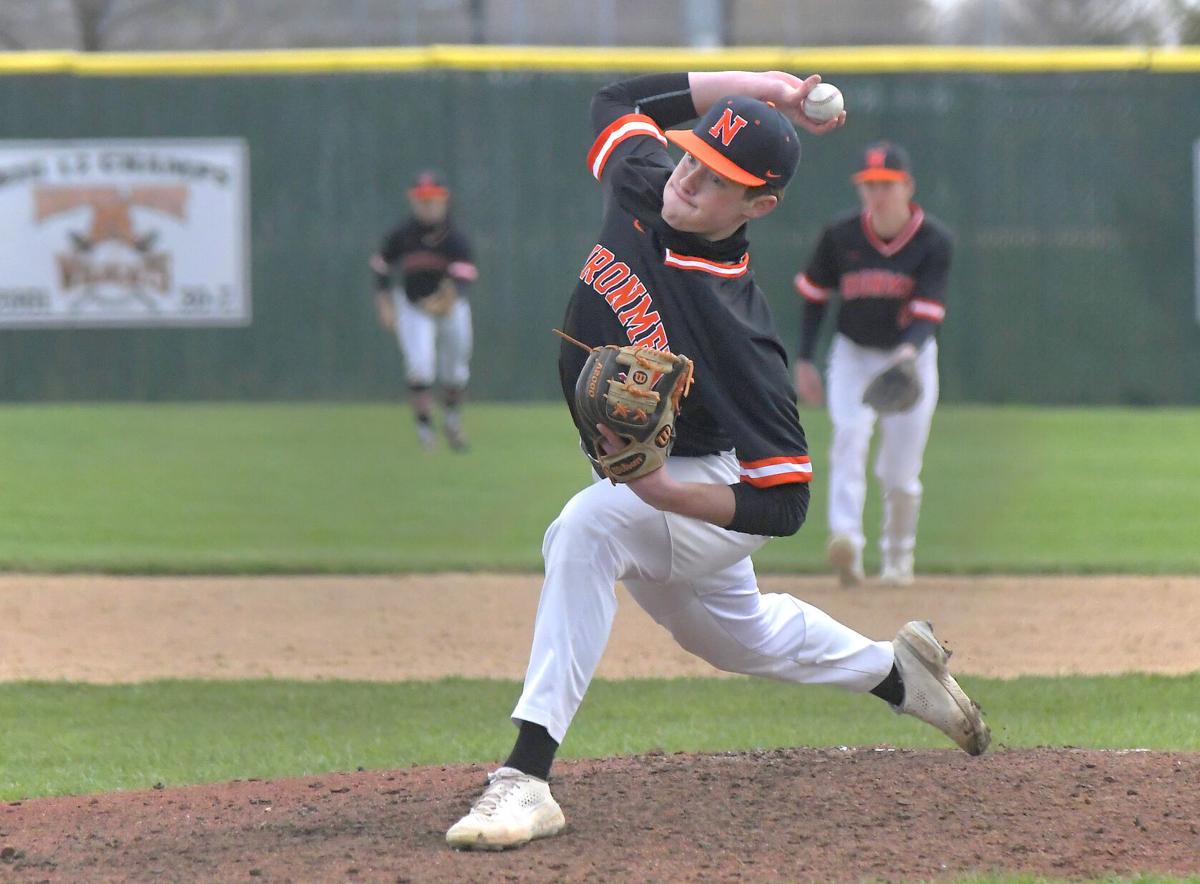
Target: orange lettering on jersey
{"points": [[611, 278], [597, 261], [639, 318], [727, 127], [656, 340], [628, 298], [875, 284], [621, 298]]}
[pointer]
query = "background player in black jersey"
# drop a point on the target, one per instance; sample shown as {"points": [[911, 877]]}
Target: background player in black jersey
{"points": [[428, 312], [889, 261], [670, 270]]}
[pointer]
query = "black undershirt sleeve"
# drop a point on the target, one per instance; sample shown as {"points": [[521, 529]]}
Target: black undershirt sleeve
{"points": [[774, 512], [809, 328], [664, 98], [822, 271], [390, 251]]}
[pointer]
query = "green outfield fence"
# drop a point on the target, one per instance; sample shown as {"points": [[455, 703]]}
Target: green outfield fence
{"points": [[1067, 176]]}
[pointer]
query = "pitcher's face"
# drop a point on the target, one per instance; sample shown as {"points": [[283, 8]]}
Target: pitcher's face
{"points": [[698, 200]]}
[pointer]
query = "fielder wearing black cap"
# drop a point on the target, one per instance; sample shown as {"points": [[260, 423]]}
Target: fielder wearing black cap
{"points": [[881, 273], [423, 272], [428, 185], [884, 161]]}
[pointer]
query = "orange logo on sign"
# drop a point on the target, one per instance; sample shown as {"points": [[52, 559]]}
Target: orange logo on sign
{"points": [[112, 222], [111, 219]]}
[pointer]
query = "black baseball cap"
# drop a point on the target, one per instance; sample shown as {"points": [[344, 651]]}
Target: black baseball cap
{"points": [[884, 161], [746, 140], [428, 185]]}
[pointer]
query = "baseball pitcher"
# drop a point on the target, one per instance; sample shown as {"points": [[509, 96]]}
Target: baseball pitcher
{"points": [[680, 390]]}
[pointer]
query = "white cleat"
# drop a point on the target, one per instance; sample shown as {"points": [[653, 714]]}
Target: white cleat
{"points": [[897, 570], [513, 810], [930, 691], [846, 560]]}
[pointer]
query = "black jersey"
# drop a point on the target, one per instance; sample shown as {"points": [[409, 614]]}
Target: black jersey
{"points": [[892, 292], [646, 283], [425, 255]]}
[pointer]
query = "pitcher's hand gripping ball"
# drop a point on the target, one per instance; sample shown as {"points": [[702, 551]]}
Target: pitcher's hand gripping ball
{"points": [[823, 103], [635, 392], [895, 389]]}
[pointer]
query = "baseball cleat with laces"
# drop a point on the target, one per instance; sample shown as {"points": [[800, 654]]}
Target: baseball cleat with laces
{"points": [[513, 810], [931, 692]]}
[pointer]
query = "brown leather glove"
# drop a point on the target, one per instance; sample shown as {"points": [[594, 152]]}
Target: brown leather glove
{"points": [[443, 299], [635, 392]]}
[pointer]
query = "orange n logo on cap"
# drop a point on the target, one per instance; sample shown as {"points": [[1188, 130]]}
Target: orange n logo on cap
{"points": [[876, 158], [727, 127]]}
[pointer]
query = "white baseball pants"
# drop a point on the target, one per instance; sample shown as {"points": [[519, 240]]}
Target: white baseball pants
{"points": [[693, 578], [901, 445], [435, 348]]}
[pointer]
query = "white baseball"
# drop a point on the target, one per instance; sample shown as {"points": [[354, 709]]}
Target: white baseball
{"points": [[823, 103]]}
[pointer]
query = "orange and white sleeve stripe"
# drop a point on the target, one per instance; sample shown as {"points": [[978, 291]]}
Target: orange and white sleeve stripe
{"points": [[809, 290], [771, 471], [628, 126], [923, 308]]}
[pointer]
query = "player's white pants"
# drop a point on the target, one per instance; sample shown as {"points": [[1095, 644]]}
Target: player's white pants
{"points": [[435, 348], [693, 578], [901, 445]]}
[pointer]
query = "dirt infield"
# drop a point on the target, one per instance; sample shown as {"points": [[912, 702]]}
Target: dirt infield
{"points": [[785, 815], [113, 629], [782, 815]]}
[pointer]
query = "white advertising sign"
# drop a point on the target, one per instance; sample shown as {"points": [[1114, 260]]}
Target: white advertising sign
{"points": [[147, 232]]}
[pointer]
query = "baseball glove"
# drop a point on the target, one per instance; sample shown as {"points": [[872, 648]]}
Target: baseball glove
{"points": [[895, 389], [635, 392], [442, 300]]}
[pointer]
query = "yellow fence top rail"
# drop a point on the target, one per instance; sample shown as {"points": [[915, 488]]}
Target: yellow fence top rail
{"points": [[856, 59]]}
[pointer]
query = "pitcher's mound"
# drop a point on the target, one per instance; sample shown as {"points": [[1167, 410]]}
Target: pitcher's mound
{"points": [[788, 814]]}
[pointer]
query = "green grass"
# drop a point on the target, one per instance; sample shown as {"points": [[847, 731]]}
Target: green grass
{"points": [[343, 488], [70, 739]]}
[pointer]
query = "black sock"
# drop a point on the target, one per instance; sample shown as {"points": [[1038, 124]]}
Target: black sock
{"points": [[533, 752], [891, 688], [424, 420]]}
